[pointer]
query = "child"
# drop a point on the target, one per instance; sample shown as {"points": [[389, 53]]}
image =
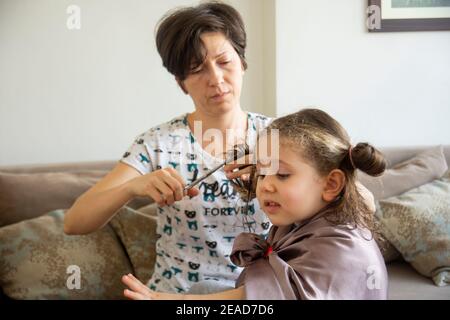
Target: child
{"points": [[320, 245]]}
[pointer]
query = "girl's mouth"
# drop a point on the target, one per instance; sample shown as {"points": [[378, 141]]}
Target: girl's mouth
{"points": [[271, 206]]}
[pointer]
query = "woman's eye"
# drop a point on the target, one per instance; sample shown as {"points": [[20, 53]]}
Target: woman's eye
{"points": [[224, 62]]}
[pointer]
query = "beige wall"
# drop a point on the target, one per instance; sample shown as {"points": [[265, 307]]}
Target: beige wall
{"points": [[390, 89], [82, 95]]}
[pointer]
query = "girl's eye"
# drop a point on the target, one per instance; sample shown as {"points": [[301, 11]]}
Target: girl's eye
{"points": [[224, 62], [282, 176]]}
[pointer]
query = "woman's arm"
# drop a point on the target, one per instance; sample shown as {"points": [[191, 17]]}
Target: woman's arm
{"points": [[139, 291], [93, 209]]}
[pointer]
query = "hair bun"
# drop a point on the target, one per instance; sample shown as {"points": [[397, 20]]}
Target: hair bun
{"points": [[368, 159]]}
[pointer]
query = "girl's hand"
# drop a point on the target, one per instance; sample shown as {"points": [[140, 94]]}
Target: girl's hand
{"points": [[244, 168], [138, 291], [164, 186]]}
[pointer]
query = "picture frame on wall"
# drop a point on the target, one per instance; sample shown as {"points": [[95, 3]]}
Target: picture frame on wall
{"points": [[408, 15]]}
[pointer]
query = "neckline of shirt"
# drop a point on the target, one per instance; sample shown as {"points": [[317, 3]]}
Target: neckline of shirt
{"points": [[202, 151]]}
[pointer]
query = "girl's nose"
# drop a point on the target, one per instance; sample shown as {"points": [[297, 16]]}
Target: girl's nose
{"points": [[266, 184]]}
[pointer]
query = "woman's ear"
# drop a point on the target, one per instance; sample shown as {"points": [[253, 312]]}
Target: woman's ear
{"points": [[334, 183], [180, 83]]}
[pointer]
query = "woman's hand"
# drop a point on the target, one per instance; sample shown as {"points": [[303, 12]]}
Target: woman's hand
{"points": [[138, 291], [164, 186], [244, 168]]}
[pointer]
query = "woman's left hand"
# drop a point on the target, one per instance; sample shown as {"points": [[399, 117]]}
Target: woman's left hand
{"points": [[139, 291], [244, 166]]}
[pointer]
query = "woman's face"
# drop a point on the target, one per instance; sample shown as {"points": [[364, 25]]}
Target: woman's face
{"points": [[293, 191], [215, 86]]}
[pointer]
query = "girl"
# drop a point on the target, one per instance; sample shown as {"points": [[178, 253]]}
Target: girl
{"points": [[320, 245]]}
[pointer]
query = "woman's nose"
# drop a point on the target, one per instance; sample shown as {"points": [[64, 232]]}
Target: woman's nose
{"points": [[215, 76]]}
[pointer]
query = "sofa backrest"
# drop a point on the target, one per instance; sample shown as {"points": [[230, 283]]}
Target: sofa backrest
{"points": [[394, 155]]}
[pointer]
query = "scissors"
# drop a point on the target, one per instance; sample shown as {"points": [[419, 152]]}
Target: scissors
{"points": [[238, 152]]}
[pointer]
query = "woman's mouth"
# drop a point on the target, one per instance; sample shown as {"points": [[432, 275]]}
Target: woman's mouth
{"points": [[220, 97]]}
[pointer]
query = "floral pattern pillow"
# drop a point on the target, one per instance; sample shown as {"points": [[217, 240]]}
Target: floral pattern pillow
{"points": [[417, 223], [137, 232], [39, 261]]}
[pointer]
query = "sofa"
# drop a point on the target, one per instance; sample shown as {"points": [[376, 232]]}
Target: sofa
{"points": [[122, 246]]}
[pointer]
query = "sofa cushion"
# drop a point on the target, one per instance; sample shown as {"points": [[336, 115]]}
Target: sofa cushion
{"points": [[417, 224], [420, 169], [423, 168], [29, 195], [137, 232], [405, 283], [26, 196], [38, 261]]}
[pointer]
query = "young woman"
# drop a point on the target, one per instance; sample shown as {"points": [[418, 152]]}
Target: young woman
{"points": [[321, 243], [204, 48]]}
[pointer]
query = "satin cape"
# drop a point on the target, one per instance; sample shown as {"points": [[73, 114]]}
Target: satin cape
{"points": [[311, 260]]}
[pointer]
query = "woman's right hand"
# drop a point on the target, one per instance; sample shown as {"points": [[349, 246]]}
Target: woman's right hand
{"points": [[164, 186]]}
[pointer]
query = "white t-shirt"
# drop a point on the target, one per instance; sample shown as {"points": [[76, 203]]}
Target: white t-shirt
{"points": [[195, 235]]}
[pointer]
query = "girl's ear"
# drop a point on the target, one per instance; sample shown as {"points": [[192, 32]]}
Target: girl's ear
{"points": [[334, 183], [180, 83]]}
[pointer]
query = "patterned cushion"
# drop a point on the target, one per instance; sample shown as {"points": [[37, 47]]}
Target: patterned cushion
{"points": [[420, 169], [137, 232], [36, 255], [417, 223]]}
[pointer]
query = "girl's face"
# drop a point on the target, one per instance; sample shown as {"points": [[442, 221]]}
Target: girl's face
{"points": [[293, 192], [215, 86]]}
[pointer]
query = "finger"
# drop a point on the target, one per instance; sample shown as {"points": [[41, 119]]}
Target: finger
{"points": [[175, 185], [134, 295], [174, 173], [165, 190], [134, 284], [143, 286], [238, 174], [192, 192], [156, 195], [245, 160], [172, 184]]}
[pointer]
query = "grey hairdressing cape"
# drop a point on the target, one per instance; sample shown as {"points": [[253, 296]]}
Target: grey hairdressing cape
{"points": [[311, 260]]}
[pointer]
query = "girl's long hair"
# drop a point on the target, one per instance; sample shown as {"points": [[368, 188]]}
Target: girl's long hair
{"points": [[323, 143]]}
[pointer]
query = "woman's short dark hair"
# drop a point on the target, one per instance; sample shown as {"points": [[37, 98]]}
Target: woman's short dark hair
{"points": [[178, 35]]}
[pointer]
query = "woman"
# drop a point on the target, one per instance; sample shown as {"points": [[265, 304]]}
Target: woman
{"points": [[204, 48]]}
